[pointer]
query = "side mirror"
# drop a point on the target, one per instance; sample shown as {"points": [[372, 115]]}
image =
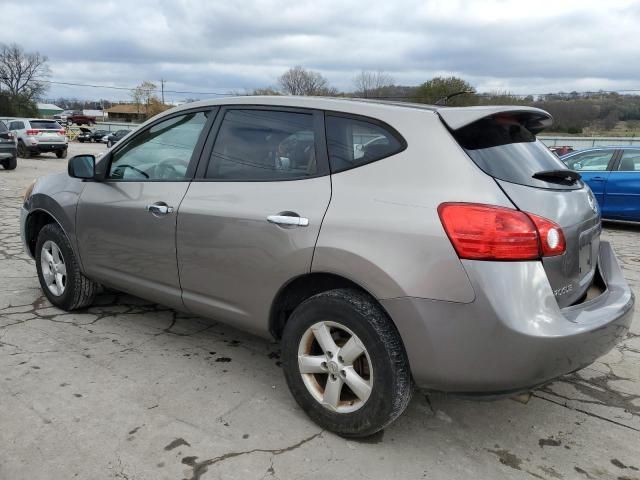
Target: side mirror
{"points": [[82, 166]]}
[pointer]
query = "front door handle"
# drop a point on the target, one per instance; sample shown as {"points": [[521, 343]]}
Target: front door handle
{"points": [[159, 208], [287, 219]]}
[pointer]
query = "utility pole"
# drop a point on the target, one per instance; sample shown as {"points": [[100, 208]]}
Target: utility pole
{"points": [[162, 88]]}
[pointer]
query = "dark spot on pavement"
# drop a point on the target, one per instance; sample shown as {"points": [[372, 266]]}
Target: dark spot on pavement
{"points": [[160, 465], [278, 363], [65, 384], [507, 458], [226, 424], [618, 463], [583, 472], [223, 359], [549, 442], [35, 367], [77, 395], [176, 443], [154, 406], [212, 353], [246, 435], [22, 363], [234, 343], [191, 461], [274, 355], [135, 430]]}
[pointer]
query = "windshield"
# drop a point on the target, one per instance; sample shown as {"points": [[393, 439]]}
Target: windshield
{"points": [[503, 148]]}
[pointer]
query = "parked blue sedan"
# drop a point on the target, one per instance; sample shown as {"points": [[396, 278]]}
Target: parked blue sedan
{"points": [[613, 173]]}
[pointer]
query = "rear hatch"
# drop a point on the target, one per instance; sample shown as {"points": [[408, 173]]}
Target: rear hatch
{"points": [[501, 141], [46, 131]]}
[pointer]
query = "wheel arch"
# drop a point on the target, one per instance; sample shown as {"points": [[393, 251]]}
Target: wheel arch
{"points": [[299, 289], [34, 223]]}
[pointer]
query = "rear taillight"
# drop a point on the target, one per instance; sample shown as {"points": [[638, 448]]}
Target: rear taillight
{"points": [[33, 132], [487, 232], [552, 240], [61, 132]]}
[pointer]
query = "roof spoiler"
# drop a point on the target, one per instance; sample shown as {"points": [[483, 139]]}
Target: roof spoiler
{"points": [[533, 119]]}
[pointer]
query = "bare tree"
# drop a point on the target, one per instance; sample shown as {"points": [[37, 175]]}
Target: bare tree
{"points": [[21, 73], [144, 94], [299, 81], [370, 84]]}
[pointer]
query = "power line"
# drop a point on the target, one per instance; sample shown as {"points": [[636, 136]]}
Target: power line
{"points": [[380, 97], [112, 87]]}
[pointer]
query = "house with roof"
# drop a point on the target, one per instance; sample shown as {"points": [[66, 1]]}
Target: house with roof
{"points": [[48, 110]]}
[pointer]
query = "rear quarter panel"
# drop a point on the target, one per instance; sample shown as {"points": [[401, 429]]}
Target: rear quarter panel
{"points": [[382, 228]]}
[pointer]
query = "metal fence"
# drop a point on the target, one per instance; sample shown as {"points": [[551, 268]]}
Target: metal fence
{"points": [[579, 143]]}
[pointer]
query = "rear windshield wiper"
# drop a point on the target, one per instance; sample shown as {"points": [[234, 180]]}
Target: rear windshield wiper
{"points": [[564, 177]]}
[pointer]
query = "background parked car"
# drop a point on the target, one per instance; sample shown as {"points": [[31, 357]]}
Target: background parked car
{"points": [[36, 136], [116, 137], [98, 135], [561, 150], [8, 150], [613, 173], [85, 135]]}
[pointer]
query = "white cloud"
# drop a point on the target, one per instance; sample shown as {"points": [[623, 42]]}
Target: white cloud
{"points": [[525, 47]]}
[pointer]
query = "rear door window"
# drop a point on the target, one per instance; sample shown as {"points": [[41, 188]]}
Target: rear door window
{"points": [[503, 147], [353, 142], [264, 145], [593, 161], [630, 161], [16, 126]]}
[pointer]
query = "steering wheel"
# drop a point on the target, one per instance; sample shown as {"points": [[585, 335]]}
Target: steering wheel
{"points": [[166, 169], [141, 172]]}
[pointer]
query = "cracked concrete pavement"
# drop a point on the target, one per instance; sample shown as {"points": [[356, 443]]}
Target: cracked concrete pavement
{"points": [[132, 390]]}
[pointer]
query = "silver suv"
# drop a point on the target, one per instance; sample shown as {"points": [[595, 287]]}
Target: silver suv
{"points": [[36, 136], [384, 245]]}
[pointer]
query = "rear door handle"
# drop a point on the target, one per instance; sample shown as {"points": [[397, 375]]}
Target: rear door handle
{"points": [[598, 179], [159, 208], [288, 220]]}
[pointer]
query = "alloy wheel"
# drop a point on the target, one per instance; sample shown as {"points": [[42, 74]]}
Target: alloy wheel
{"points": [[335, 367], [54, 268]]}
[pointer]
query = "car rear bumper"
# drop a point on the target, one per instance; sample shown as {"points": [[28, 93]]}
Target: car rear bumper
{"points": [[47, 147], [513, 336]]}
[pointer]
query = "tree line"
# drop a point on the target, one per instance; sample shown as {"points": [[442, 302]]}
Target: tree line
{"points": [[23, 81]]}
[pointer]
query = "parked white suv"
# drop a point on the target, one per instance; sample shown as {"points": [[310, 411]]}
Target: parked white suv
{"points": [[35, 136]]}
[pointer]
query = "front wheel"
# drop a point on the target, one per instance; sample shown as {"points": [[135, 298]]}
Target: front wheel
{"points": [[60, 277], [345, 363]]}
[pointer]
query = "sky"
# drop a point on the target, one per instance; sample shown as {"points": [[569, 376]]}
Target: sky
{"points": [[209, 46]]}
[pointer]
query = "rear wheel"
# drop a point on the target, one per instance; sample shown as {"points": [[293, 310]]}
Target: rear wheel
{"points": [[60, 277], [61, 153], [23, 151], [345, 363], [109, 144]]}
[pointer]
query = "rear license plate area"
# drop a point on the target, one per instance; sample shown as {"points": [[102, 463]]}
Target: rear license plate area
{"points": [[586, 250]]}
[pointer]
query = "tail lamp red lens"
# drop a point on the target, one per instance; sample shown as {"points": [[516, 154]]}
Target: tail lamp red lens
{"points": [[33, 132], [487, 232]]}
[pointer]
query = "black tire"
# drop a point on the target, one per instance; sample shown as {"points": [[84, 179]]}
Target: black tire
{"points": [[61, 153], [23, 151], [79, 291], [109, 144], [10, 163], [392, 384]]}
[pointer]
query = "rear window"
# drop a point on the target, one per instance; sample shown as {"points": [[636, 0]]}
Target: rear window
{"points": [[503, 148], [45, 125]]}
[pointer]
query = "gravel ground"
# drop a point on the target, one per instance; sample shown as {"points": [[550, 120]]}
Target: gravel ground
{"points": [[132, 390]]}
